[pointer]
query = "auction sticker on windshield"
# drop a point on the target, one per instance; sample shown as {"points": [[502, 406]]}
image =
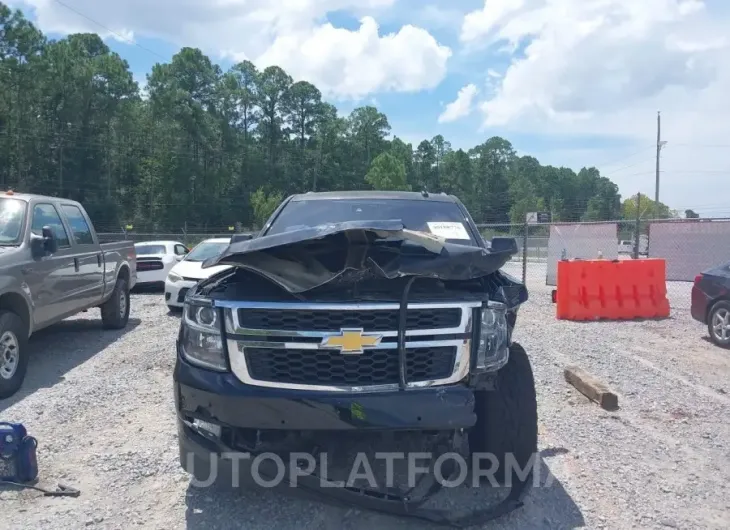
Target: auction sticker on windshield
{"points": [[449, 230]]}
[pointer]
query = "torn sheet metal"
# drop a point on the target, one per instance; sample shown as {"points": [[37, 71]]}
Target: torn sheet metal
{"points": [[304, 259]]}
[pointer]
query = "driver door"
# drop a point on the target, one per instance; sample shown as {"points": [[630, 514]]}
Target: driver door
{"points": [[50, 277]]}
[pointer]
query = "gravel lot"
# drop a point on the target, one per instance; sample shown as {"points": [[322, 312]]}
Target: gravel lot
{"points": [[100, 404]]}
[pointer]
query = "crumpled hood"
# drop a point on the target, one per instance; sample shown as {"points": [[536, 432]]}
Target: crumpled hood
{"points": [[301, 260]]}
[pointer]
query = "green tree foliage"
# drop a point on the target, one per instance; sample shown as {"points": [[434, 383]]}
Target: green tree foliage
{"points": [[648, 209], [263, 205], [203, 147], [387, 172]]}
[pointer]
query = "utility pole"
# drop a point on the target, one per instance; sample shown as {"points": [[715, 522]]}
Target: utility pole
{"points": [[637, 226], [658, 151], [659, 145]]}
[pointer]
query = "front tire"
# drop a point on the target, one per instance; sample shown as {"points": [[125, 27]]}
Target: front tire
{"points": [[507, 420], [115, 311], [718, 324], [13, 353]]}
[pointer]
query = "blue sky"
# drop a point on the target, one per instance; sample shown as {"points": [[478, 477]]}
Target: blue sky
{"points": [[573, 85]]}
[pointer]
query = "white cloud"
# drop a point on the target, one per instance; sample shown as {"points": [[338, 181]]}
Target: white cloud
{"points": [[481, 22], [461, 106], [602, 68], [352, 64], [141, 80], [292, 34], [432, 16]]}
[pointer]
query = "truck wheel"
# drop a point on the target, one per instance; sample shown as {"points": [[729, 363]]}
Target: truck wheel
{"points": [[13, 353], [115, 311], [507, 421], [718, 324]]}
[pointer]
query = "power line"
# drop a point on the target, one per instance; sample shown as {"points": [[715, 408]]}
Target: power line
{"points": [[700, 145], [685, 171], [624, 167], [622, 158], [120, 37]]}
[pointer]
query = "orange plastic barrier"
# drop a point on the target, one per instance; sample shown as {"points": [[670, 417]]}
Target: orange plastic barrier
{"points": [[612, 290]]}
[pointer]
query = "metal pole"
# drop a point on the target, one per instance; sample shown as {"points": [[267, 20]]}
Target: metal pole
{"points": [[524, 255], [637, 226], [658, 152]]}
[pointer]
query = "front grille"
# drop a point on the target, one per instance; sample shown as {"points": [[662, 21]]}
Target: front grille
{"points": [[330, 367], [278, 345], [328, 320]]}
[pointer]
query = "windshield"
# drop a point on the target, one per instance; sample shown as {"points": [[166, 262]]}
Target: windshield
{"points": [[148, 250], [443, 219], [204, 250], [12, 216]]}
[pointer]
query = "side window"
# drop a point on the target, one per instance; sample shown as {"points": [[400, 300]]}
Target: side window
{"points": [[79, 227], [180, 250], [46, 215]]}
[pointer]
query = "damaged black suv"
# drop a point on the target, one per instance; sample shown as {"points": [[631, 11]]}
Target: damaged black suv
{"points": [[351, 315]]}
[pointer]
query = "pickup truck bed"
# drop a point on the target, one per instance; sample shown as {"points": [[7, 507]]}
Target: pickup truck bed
{"points": [[52, 266]]}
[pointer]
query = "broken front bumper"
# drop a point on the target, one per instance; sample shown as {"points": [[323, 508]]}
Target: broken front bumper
{"points": [[208, 458], [220, 399]]}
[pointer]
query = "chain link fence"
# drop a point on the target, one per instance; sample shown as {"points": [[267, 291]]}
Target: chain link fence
{"points": [[189, 239], [688, 246]]}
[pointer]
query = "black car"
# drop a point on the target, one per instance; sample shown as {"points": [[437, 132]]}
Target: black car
{"points": [[711, 303], [358, 318]]}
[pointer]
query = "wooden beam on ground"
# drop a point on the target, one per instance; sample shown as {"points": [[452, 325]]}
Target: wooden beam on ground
{"points": [[591, 387]]}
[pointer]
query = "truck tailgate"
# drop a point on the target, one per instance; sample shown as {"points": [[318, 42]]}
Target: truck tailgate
{"points": [[115, 254]]}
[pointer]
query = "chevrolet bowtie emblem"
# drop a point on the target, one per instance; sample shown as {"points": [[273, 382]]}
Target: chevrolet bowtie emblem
{"points": [[351, 341]]}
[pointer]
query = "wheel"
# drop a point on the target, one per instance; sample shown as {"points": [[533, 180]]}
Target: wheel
{"points": [[13, 353], [718, 323], [115, 311], [507, 420]]}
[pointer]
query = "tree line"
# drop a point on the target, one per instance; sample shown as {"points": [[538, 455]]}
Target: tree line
{"points": [[205, 147]]}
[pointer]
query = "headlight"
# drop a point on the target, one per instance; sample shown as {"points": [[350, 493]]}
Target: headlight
{"points": [[493, 348], [201, 340], [174, 278]]}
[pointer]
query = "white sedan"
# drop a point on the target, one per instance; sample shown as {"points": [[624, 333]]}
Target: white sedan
{"points": [[189, 271], [155, 259]]}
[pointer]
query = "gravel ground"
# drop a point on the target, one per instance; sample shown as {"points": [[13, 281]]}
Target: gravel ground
{"points": [[100, 404]]}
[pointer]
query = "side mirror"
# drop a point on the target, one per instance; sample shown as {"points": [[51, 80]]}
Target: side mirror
{"points": [[236, 238], [36, 246], [49, 240], [504, 244]]}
